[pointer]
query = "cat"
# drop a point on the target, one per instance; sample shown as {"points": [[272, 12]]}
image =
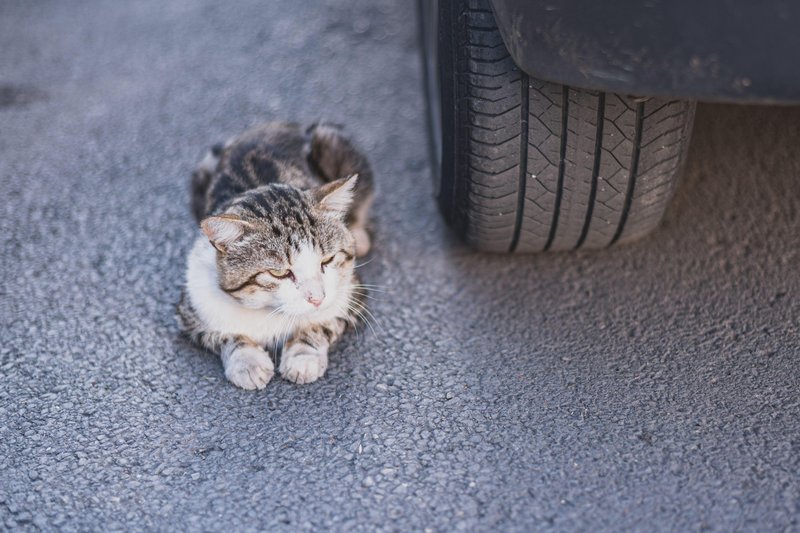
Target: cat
{"points": [[282, 215]]}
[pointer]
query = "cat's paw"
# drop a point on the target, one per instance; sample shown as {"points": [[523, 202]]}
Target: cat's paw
{"points": [[249, 367], [301, 363]]}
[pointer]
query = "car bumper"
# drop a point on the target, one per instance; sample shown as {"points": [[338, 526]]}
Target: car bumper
{"points": [[714, 51]]}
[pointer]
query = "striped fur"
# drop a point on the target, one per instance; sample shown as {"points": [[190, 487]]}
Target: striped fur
{"points": [[282, 214]]}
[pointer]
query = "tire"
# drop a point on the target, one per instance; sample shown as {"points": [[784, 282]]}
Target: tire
{"points": [[526, 165]]}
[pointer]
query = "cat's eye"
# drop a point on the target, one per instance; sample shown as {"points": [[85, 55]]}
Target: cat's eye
{"points": [[280, 272], [327, 261]]}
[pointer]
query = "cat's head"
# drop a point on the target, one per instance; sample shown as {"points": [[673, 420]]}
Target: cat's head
{"points": [[284, 248]]}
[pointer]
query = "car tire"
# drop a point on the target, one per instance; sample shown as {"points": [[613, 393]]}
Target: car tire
{"points": [[526, 165]]}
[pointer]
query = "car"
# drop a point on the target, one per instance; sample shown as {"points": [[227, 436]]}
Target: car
{"points": [[564, 124]]}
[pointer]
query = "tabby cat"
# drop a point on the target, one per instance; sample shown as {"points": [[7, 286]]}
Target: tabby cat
{"points": [[282, 215]]}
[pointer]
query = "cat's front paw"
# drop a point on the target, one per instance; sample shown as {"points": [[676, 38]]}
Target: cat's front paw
{"points": [[301, 363], [249, 367]]}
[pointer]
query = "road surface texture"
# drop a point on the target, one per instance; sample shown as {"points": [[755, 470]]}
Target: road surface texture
{"points": [[649, 387]]}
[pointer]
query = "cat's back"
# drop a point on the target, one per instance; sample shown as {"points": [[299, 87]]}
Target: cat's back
{"points": [[265, 153], [272, 152]]}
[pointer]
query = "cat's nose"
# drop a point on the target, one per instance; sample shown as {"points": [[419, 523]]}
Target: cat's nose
{"points": [[315, 298]]}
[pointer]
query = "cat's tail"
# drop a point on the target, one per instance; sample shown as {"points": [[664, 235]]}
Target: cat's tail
{"points": [[201, 180]]}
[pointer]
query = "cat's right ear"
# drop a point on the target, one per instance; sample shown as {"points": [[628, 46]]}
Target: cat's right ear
{"points": [[336, 196], [222, 230]]}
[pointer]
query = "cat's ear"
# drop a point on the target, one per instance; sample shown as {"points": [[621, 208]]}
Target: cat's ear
{"points": [[336, 196], [222, 230]]}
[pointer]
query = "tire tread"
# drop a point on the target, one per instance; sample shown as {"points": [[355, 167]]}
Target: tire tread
{"points": [[541, 166]]}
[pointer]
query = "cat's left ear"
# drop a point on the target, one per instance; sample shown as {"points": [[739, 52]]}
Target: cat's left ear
{"points": [[336, 196]]}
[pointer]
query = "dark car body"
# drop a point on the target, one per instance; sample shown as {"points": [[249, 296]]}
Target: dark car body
{"points": [[718, 50]]}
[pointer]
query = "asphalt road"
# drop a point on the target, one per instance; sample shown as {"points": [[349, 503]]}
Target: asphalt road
{"points": [[649, 387]]}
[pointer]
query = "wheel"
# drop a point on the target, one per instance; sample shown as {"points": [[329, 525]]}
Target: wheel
{"points": [[526, 165]]}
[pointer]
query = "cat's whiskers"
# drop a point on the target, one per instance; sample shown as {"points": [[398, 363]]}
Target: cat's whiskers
{"points": [[374, 319], [282, 319], [361, 316], [290, 329], [347, 317], [365, 294], [359, 309], [278, 309], [364, 263], [371, 288], [286, 332]]}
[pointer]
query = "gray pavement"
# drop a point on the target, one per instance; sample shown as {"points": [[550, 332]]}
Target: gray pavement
{"points": [[649, 387]]}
